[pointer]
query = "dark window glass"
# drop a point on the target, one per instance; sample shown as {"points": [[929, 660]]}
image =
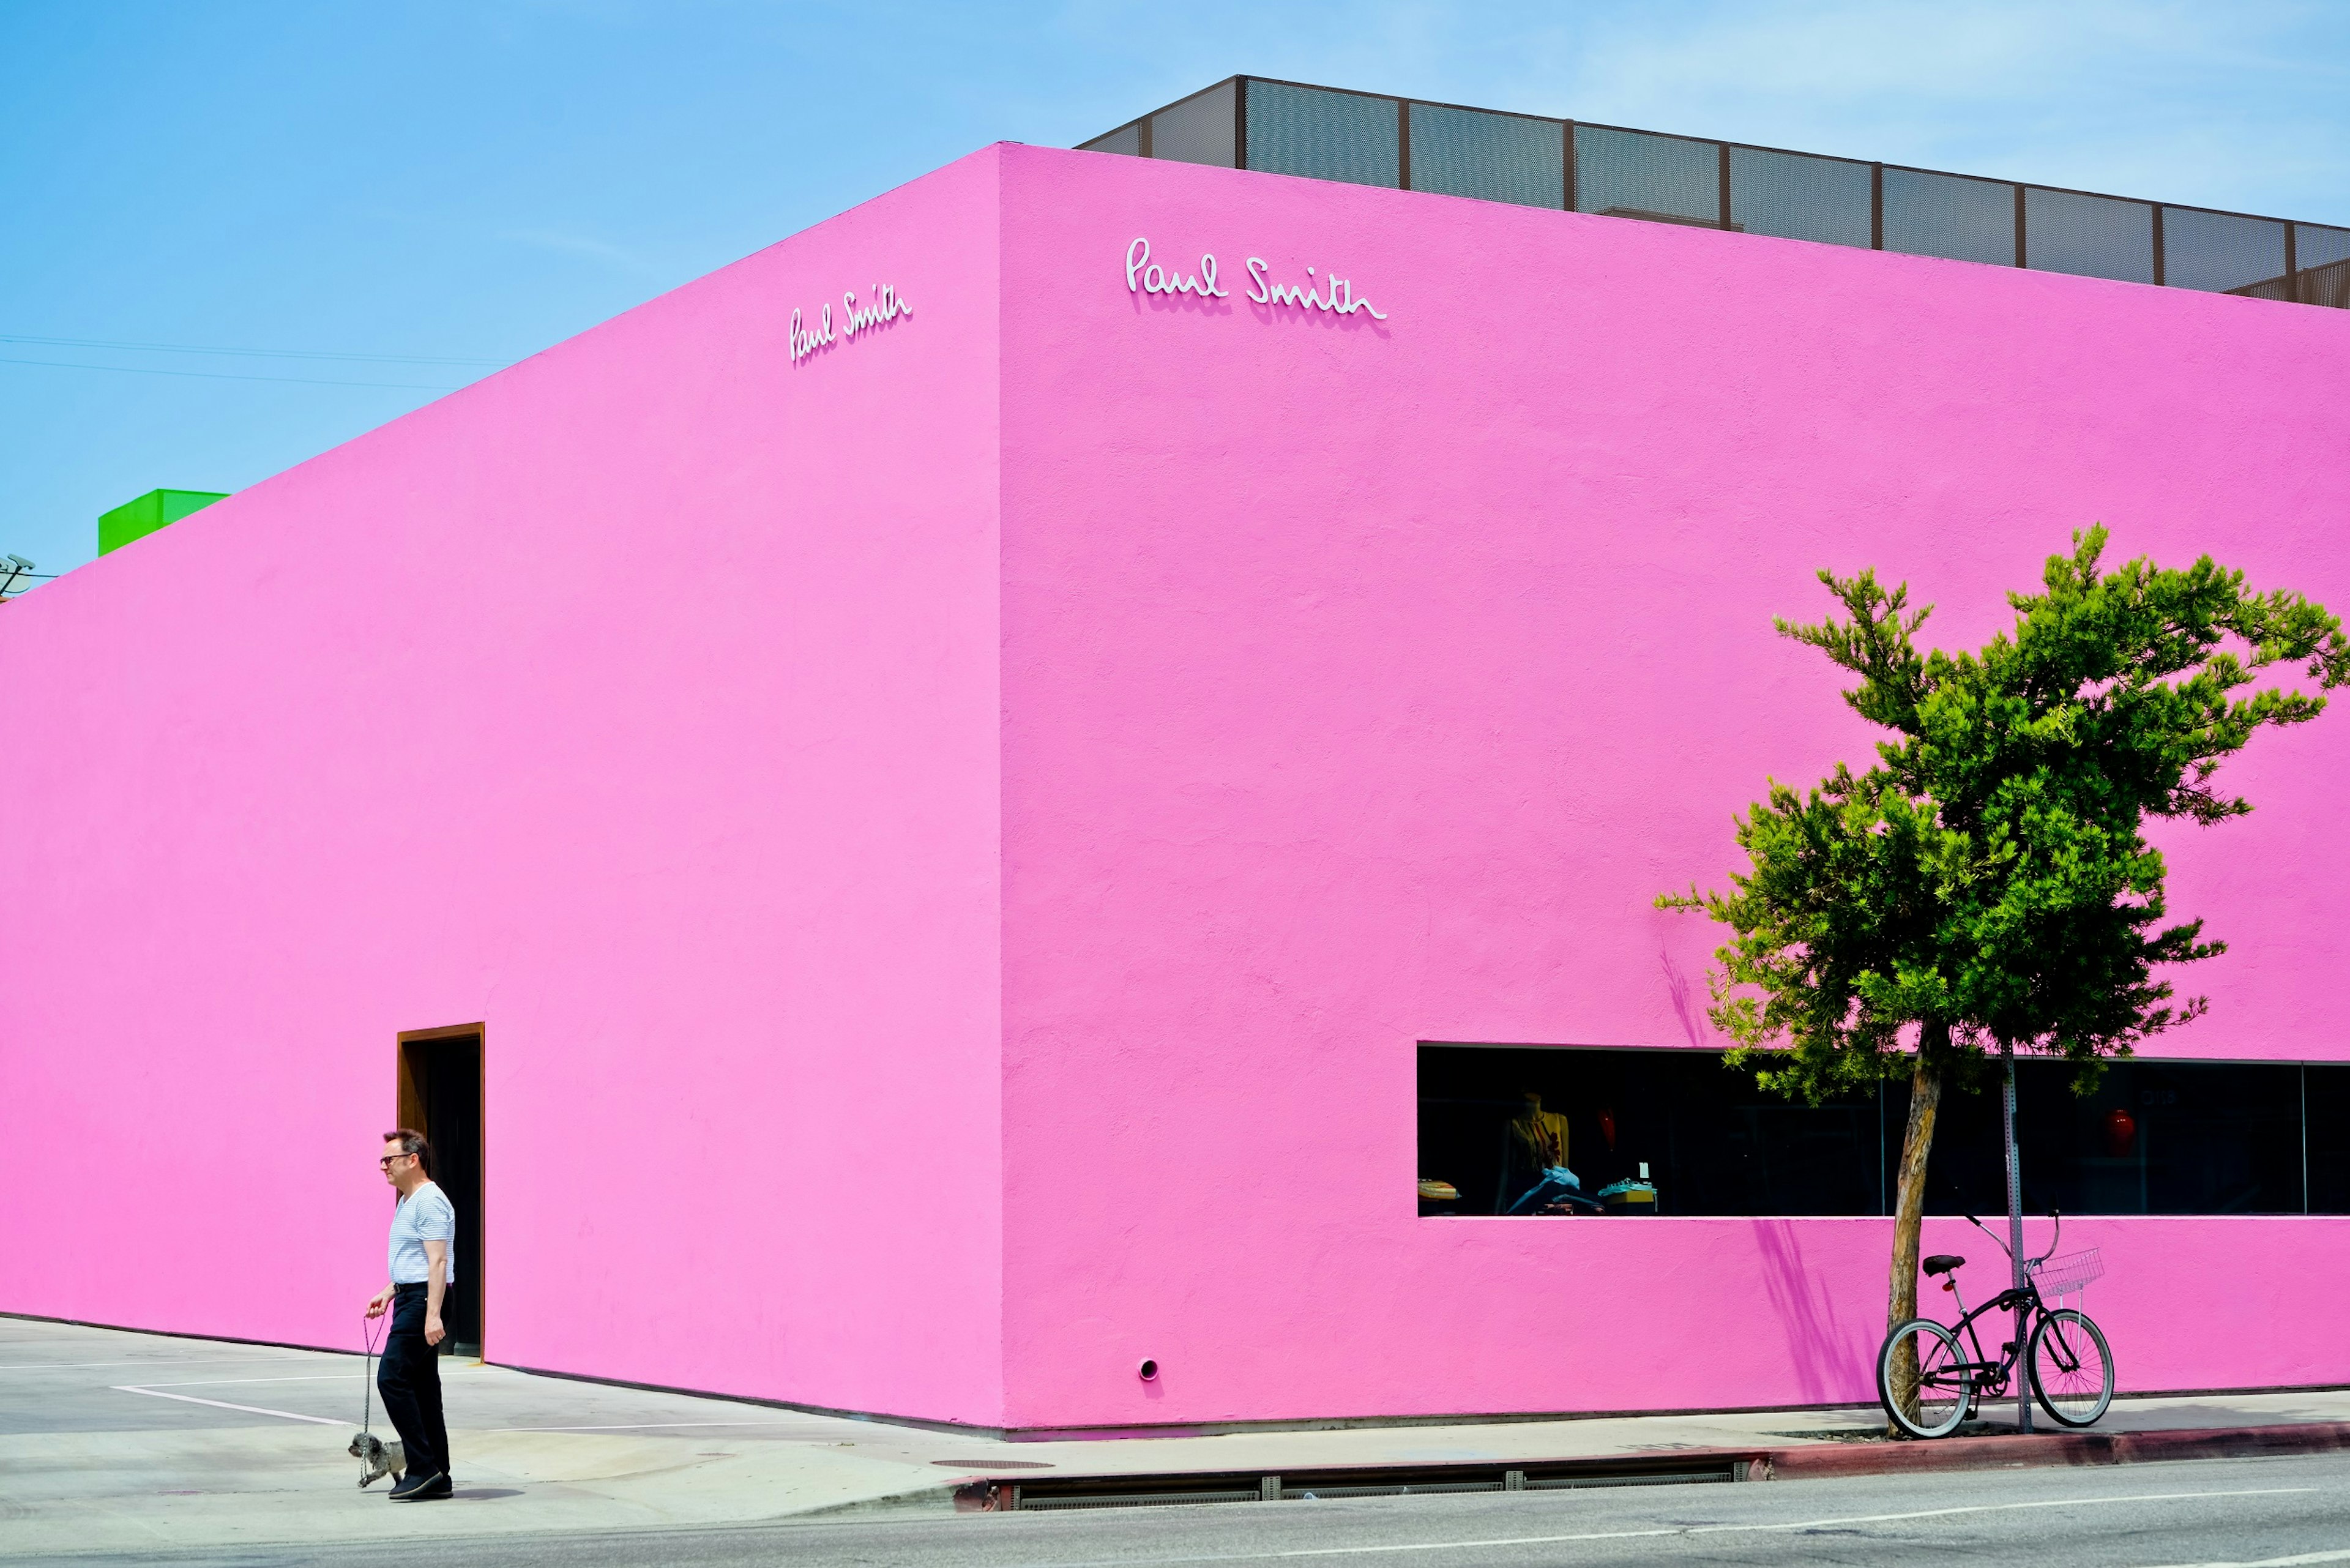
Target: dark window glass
{"points": [[1324, 135], [1495, 157], [2153, 1137], [2328, 1124], [1711, 1142], [1633, 174]]}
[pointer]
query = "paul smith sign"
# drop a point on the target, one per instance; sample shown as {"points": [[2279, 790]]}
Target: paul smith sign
{"points": [[1329, 292], [885, 307]]}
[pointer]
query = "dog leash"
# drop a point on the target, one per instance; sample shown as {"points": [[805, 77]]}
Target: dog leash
{"points": [[369, 1335]]}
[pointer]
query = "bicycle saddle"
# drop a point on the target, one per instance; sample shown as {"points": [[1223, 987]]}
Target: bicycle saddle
{"points": [[1942, 1262]]}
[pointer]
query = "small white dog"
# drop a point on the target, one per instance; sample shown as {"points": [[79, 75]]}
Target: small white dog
{"points": [[377, 1458]]}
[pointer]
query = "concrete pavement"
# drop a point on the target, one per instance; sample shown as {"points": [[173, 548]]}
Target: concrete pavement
{"points": [[2266, 1513], [124, 1442]]}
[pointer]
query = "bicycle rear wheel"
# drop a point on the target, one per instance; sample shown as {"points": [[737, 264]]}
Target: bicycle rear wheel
{"points": [[2072, 1370], [1945, 1387]]}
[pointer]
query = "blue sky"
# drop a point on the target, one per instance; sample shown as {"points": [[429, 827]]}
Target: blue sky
{"points": [[445, 188]]}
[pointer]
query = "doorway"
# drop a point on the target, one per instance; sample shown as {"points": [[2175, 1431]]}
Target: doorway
{"points": [[440, 1096]]}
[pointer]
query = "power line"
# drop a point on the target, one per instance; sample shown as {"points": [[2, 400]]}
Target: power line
{"points": [[222, 375], [244, 353]]}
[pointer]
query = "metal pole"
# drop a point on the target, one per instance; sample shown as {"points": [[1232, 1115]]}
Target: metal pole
{"points": [[2015, 1237]]}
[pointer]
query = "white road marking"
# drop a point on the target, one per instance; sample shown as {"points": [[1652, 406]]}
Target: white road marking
{"points": [[221, 1382], [225, 1405], [2341, 1557], [642, 1426], [1740, 1529], [157, 1361]]}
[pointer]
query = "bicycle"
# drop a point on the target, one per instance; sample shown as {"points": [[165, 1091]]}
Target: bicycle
{"points": [[2065, 1354]]}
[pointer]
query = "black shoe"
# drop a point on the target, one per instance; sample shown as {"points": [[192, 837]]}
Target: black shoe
{"points": [[421, 1488]]}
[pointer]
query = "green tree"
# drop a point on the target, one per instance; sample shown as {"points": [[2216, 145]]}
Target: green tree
{"points": [[1986, 885]]}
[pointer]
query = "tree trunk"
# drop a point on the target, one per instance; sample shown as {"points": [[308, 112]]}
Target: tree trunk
{"points": [[1909, 1209]]}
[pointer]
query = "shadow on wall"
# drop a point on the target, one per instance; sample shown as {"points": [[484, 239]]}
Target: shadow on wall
{"points": [[1685, 1007], [1827, 1367], [1825, 1363]]}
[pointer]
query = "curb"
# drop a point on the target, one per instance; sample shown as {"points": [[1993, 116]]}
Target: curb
{"points": [[1822, 1460], [1811, 1461]]}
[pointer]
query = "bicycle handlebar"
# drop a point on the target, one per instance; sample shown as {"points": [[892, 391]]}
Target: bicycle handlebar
{"points": [[2058, 1217], [2055, 1215]]}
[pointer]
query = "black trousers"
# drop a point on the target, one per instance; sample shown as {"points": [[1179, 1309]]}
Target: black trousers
{"points": [[409, 1378]]}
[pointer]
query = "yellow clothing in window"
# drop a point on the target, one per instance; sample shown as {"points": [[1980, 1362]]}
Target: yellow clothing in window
{"points": [[1540, 1139]]}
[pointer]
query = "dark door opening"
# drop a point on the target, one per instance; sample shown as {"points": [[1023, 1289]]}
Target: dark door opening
{"points": [[440, 1096]]}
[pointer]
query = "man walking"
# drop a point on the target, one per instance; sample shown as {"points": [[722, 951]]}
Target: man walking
{"points": [[423, 1234]]}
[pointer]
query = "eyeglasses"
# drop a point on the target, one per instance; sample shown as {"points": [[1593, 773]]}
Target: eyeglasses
{"points": [[385, 1163]]}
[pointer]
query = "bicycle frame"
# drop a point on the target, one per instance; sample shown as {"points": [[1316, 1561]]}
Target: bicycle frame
{"points": [[1988, 1378]]}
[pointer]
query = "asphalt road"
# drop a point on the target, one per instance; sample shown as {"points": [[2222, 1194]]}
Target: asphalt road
{"points": [[2253, 1512]]}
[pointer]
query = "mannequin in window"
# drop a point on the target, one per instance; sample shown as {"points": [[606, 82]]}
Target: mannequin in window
{"points": [[1536, 1179], [1538, 1137]]}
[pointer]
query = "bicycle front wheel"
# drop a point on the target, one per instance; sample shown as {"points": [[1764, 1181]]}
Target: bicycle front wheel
{"points": [[1923, 1380], [2072, 1370]]}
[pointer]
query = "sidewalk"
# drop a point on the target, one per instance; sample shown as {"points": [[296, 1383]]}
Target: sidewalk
{"points": [[122, 1441]]}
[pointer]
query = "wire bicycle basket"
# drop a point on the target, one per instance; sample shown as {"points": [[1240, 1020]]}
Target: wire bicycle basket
{"points": [[2067, 1275]]}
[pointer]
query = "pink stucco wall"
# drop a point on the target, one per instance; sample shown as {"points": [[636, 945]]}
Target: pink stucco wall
{"points": [[639, 702], [955, 841], [1364, 680]]}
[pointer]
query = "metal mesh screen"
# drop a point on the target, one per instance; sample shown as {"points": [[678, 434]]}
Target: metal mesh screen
{"points": [[1323, 135], [2219, 250], [2088, 237], [2315, 245], [1126, 139], [1494, 157], [2324, 257], [1949, 215], [1635, 174], [1199, 130], [1797, 197]]}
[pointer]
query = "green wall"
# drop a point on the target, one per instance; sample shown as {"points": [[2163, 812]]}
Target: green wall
{"points": [[156, 509]]}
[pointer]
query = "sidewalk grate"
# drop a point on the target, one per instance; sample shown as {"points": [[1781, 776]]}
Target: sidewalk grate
{"points": [[1654, 1478], [1025, 1498], [1168, 1490]]}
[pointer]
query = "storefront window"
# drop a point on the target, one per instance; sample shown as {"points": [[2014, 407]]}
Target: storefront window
{"points": [[1701, 1139], [2326, 1132], [1676, 1132], [2153, 1137]]}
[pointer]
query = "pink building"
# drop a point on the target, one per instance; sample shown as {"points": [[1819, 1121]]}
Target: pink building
{"points": [[916, 862]]}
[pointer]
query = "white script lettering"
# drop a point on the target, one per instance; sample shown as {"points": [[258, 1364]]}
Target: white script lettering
{"points": [[1144, 275], [807, 343], [1340, 299], [887, 307], [1331, 294]]}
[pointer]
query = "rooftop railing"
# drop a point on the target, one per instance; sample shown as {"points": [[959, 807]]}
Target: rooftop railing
{"points": [[1365, 139]]}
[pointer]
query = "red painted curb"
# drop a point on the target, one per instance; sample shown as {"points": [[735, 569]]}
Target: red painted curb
{"points": [[1822, 1460], [1812, 1461]]}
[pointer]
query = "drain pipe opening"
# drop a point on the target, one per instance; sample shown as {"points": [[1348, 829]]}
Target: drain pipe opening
{"points": [[1148, 1371]]}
